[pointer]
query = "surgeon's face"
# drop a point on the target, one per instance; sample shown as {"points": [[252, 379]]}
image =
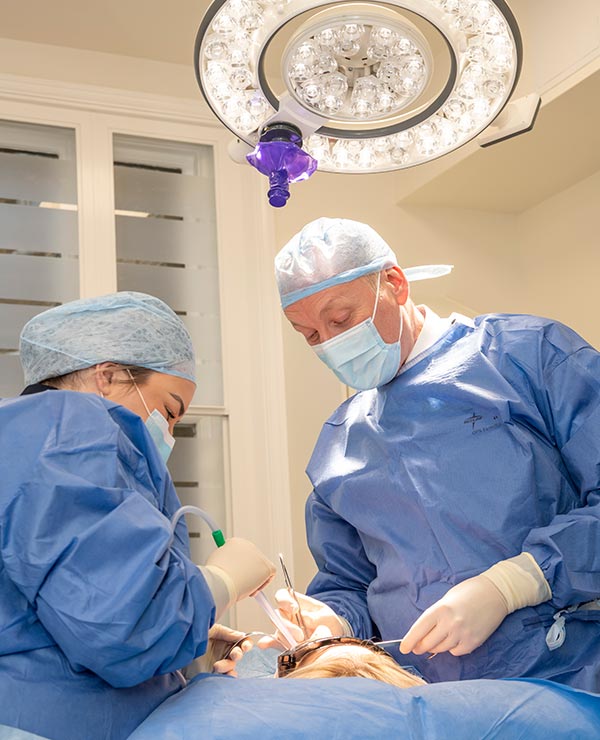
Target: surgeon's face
{"points": [[168, 394], [330, 312]]}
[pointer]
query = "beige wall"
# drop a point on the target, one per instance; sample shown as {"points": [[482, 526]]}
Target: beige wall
{"points": [[560, 241]]}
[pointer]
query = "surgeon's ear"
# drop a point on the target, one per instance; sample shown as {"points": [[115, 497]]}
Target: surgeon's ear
{"points": [[398, 283]]}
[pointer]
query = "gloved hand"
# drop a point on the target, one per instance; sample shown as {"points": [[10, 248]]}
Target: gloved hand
{"points": [[241, 566], [319, 619], [471, 611], [220, 640], [460, 621]]}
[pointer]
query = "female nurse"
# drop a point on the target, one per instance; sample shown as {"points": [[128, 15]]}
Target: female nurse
{"points": [[100, 603]]}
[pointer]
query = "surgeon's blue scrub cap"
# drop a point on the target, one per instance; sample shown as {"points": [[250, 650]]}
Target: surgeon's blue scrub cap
{"points": [[127, 328], [331, 251]]}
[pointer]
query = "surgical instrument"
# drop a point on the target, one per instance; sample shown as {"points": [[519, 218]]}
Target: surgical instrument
{"points": [[219, 539], [388, 643], [292, 593], [274, 617]]}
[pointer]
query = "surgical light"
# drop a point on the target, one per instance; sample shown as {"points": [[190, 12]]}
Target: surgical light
{"points": [[370, 86]]}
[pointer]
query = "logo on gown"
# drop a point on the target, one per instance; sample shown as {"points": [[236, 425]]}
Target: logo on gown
{"points": [[481, 423]]}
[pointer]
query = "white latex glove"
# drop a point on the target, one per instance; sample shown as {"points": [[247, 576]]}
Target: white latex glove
{"points": [[241, 566], [220, 640], [470, 612], [460, 621], [319, 619]]}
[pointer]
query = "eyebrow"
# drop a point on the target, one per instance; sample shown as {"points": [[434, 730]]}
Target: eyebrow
{"points": [[338, 303], [297, 327], [181, 406]]}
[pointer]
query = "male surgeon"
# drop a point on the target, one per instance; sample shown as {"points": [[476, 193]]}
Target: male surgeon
{"points": [[456, 496]]}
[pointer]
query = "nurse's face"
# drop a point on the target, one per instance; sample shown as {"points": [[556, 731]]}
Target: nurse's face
{"points": [[330, 312], [168, 394]]}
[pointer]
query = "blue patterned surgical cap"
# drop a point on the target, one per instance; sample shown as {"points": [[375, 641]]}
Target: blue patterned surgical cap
{"points": [[127, 328], [327, 252], [331, 251]]}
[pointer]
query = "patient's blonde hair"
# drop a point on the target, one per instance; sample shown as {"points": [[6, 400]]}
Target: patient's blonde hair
{"points": [[367, 664]]}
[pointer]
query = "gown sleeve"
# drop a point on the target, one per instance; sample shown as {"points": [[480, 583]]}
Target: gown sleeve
{"points": [[567, 549], [345, 572], [84, 540]]}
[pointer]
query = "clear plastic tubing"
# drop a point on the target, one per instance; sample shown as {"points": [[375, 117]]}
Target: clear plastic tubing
{"points": [[275, 618]]}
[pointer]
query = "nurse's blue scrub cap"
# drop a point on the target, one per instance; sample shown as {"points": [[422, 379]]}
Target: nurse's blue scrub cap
{"points": [[331, 251], [126, 327]]}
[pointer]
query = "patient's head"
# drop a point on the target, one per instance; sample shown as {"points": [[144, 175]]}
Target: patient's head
{"points": [[344, 656]]}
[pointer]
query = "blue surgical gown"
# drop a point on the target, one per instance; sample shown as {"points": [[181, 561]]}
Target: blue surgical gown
{"points": [[484, 446], [99, 604]]}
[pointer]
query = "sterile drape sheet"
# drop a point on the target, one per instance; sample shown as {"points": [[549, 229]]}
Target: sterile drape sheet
{"points": [[219, 707]]}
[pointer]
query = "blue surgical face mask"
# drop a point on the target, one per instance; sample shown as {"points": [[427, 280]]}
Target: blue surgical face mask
{"points": [[158, 427], [359, 356]]}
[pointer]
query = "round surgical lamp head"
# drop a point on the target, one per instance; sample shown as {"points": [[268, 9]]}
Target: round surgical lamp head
{"points": [[370, 87]]}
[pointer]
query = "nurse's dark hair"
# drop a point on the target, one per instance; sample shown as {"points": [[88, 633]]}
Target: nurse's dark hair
{"points": [[76, 379]]}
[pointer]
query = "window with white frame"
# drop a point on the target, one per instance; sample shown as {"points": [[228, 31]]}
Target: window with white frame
{"points": [[39, 245], [166, 244]]}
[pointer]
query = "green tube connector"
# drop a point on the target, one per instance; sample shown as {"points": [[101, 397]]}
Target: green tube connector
{"points": [[218, 538]]}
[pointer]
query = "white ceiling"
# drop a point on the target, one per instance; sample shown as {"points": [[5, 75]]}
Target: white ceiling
{"points": [[151, 29]]}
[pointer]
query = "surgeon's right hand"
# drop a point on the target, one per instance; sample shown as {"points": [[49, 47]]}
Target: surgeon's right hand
{"points": [[319, 619], [240, 567]]}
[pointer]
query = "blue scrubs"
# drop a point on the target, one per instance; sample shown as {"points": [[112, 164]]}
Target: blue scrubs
{"points": [[485, 445], [99, 604]]}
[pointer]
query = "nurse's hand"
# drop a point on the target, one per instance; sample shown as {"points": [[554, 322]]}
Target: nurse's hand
{"points": [[241, 566], [220, 657], [460, 621], [316, 619]]}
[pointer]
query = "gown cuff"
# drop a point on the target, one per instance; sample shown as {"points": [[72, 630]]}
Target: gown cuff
{"points": [[520, 581], [221, 587]]}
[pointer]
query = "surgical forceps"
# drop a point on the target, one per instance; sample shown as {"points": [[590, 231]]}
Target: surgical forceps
{"points": [[238, 643], [297, 617]]}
